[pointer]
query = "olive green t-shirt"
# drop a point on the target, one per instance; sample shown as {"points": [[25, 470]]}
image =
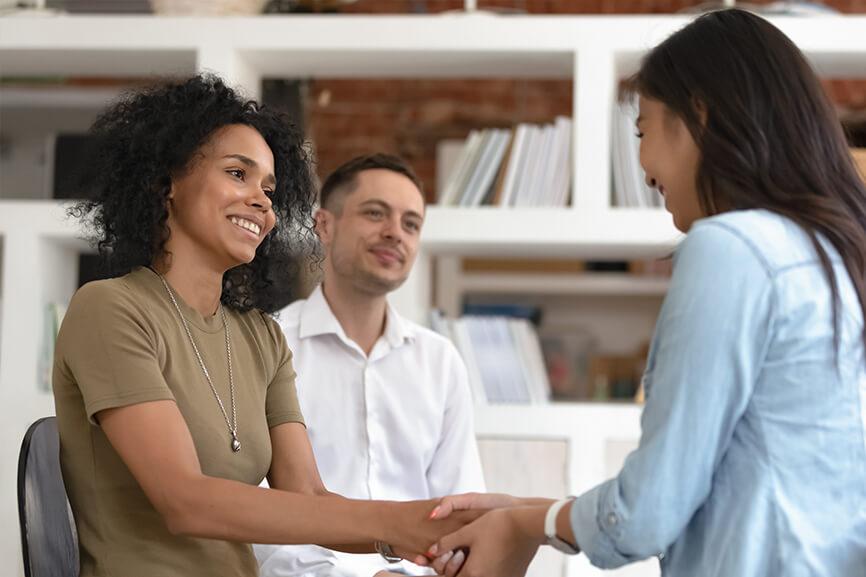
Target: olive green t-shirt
{"points": [[122, 343]]}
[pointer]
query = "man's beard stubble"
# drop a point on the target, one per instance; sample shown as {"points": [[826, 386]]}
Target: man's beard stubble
{"points": [[365, 280]]}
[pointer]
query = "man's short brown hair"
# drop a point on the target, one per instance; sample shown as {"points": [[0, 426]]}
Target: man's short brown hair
{"points": [[344, 179]]}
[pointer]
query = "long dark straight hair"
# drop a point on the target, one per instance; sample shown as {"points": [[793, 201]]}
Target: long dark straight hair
{"points": [[770, 138]]}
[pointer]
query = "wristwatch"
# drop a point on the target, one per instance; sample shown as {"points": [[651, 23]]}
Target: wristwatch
{"points": [[386, 552], [550, 529]]}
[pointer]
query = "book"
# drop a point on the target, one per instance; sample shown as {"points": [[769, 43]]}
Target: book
{"points": [[484, 143], [534, 138], [540, 184], [528, 165], [561, 181], [502, 355], [528, 348], [463, 342], [529, 312], [516, 164], [630, 188], [485, 170], [450, 193]]}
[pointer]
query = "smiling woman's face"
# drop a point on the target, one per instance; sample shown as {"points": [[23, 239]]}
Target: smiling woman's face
{"points": [[670, 158], [220, 208]]}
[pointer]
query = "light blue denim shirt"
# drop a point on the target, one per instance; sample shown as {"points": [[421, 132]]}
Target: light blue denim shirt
{"points": [[752, 460]]}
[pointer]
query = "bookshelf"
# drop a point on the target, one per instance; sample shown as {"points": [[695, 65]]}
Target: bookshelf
{"points": [[40, 248], [578, 284]]}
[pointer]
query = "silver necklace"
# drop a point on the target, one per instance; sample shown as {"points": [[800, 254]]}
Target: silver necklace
{"points": [[233, 424]]}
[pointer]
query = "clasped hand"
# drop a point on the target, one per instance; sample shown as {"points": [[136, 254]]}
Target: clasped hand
{"points": [[501, 541]]}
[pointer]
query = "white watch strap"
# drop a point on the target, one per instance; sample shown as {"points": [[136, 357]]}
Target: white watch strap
{"points": [[550, 518], [550, 528]]}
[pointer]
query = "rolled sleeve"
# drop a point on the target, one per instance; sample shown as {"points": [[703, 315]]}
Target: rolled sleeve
{"points": [[595, 527], [709, 345]]}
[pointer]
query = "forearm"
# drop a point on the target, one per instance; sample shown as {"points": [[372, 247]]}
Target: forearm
{"points": [[345, 547], [534, 502], [530, 520], [223, 509], [351, 548]]}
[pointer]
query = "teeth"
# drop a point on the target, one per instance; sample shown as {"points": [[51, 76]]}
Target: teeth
{"points": [[249, 225]]}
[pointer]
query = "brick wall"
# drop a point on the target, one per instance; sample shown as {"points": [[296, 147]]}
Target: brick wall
{"points": [[409, 117]]}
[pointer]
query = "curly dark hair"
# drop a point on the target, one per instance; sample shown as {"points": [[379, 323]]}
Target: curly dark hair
{"points": [[150, 135]]}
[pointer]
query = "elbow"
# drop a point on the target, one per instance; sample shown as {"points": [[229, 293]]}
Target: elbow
{"points": [[178, 526], [182, 515], [180, 521], [183, 525], [649, 541]]}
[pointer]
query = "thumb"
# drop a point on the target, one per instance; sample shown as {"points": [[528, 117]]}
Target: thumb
{"points": [[451, 503]]}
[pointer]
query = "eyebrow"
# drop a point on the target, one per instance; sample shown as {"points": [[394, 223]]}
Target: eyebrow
{"points": [[383, 204], [249, 162]]}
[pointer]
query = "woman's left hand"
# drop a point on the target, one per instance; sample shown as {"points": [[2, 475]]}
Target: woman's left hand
{"points": [[501, 543]]}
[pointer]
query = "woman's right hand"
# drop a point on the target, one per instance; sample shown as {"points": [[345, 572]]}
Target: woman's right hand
{"points": [[502, 543], [411, 528], [473, 502]]}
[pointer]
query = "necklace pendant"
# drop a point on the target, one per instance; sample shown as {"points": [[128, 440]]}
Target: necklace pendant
{"points": [[236, 445]]}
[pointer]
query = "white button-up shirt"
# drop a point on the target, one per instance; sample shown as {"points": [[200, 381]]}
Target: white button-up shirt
{"points": [[397, 425]]}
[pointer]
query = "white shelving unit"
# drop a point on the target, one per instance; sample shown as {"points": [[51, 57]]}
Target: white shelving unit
{"points": [[585, 283], [596, 438], [39, 247]]}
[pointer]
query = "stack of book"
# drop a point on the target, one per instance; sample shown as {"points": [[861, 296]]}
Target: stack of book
{"points": [[529, 165], [502, 355], [629, 184]]}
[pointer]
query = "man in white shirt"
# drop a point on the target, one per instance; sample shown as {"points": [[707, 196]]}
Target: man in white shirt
{"points": [[386, 402]]}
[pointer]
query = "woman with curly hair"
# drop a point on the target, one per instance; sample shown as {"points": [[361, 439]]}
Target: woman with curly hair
{"points": [[174, 388]]}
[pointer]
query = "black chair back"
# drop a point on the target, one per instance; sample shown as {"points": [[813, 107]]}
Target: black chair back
{"points": [[49, 541]]}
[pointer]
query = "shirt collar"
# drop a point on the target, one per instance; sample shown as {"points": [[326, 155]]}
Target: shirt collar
{"points": [[397, 330], [317, 318]]}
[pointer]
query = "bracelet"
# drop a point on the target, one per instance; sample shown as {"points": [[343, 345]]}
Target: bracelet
{"points": [[386, 552]]}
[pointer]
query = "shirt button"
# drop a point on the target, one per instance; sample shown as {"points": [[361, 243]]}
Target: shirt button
{"points": [[611, 519]]}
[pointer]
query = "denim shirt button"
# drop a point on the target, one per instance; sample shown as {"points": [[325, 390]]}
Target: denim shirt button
{"points": [[611, 519]]}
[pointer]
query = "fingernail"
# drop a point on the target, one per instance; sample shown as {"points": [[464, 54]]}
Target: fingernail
{"points": [[433, 550], [458, 558], [434, 512], [447, 556]]}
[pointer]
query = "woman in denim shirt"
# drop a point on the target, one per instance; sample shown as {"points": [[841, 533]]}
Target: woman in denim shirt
{"points": [[752, 460]]}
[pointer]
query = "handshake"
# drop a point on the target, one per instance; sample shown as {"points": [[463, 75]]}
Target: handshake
{"points": [[477, 534]]}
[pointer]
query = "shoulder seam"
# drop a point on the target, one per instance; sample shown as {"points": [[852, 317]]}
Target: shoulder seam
{"points": [[768, 269]]}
